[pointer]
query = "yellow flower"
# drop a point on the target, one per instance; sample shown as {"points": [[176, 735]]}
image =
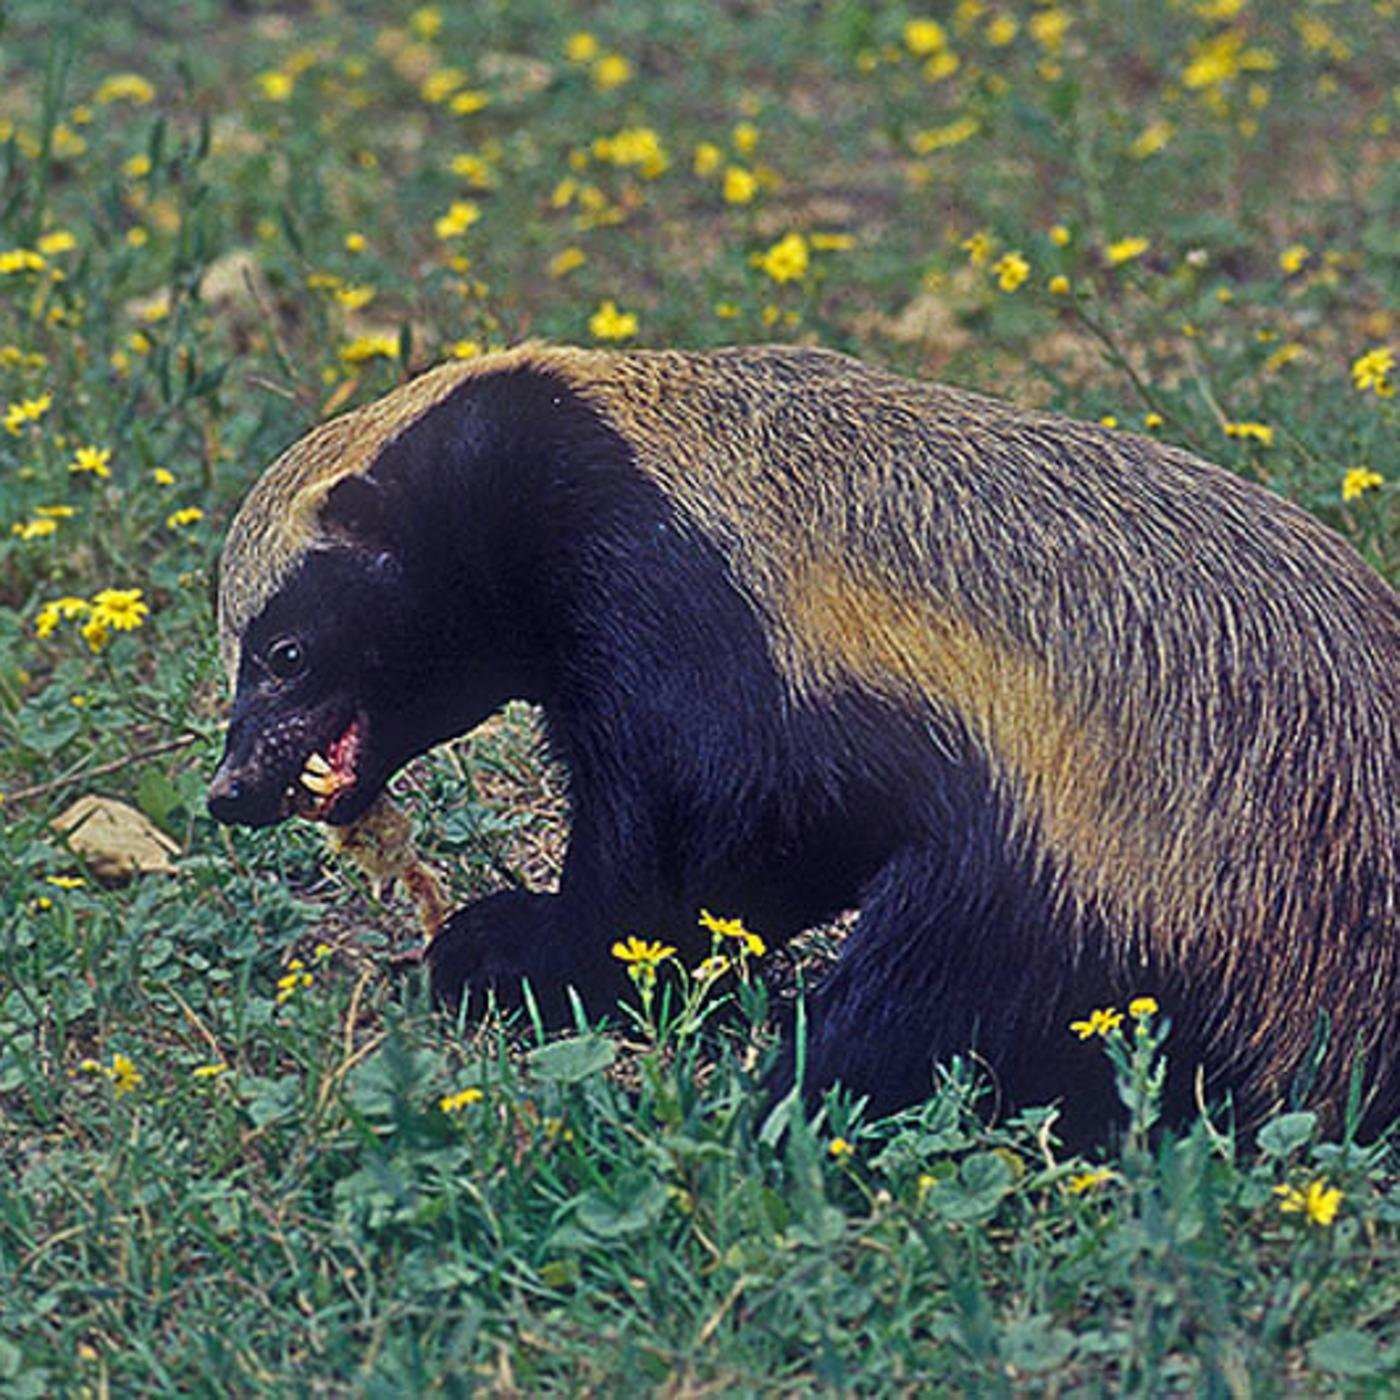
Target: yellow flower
{"points": [[187, 515], [354, 243], [92, 459], [59, 241], [464, 349], [467, 101], [440, 84], [740, 185], [425, 22], [1011, 271], [1251, 432], [838, 1147], [121, 609], [27, 411], [124, 1075], [95, 634], [733, 928], [924, 36], [1125, 250], [20, 260], [1001, 31], [1142, 1007], [460, 216], [137, 167], [580, 47], [744, 137], [1086, 1181], [786, 260], [608, 323], [33, 529], [455, 1103], [1372, 371], [941, 65], [832, 242], [1058, 285], [295, 979], [937, 138], [369, 347], [65, 882], [978, 247], [611, 71], [163, 476], [640, 953], [1150, 421], [1358, 481], [565, 261], [1048, 28], [707, 159], [275, 85], [472, 168], [209, 1071], [1109, 420], [52, 613], [1059, 235], [1293, 257], [1151, 139], [1100, 1022], [126, 87], [1319, 1202]]}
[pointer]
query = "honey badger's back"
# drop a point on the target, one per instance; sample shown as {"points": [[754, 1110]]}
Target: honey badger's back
{"points": [[1186, 689]]}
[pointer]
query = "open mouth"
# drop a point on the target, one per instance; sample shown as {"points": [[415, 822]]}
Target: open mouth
{"points": [[330, 775]]}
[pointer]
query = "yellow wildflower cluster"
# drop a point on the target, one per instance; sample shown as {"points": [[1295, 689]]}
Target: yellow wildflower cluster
{"points": [[296, 979], [1125, 250], [1107, 1019], [125, 87], [636, 147], [122, 1073], [20, 260], [1373, 370], [1215, 61], [25, 411], [455, 1103], [460, 216], [1011, 271], [787, 260], [369, 347], [1251, 432], [95, 461], [608, 323], [749, 941], [111, 610], [1358, 481]]}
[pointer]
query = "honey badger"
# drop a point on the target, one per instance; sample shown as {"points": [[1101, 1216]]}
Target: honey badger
{"points": [[1068, 715]]}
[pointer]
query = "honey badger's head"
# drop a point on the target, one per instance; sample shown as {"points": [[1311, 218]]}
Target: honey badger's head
{"points": [[352, 633]]}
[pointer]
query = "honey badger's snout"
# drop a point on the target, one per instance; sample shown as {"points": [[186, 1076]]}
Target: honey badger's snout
{"points": [[249, 786]]}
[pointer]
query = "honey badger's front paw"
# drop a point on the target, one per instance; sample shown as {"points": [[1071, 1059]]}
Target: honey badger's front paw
{"points": [[486, 950]]}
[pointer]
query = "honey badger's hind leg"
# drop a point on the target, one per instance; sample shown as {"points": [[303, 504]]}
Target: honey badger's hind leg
{"points": [[951, 956]]}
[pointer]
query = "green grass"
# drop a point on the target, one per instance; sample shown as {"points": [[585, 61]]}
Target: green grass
{"points": [[609, 1214]]}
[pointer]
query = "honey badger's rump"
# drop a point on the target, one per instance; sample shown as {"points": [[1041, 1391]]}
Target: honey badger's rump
{"points": [[1069, 714]]}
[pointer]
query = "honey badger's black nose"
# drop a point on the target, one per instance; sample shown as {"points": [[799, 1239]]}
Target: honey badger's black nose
{"points": [[235, 800]]}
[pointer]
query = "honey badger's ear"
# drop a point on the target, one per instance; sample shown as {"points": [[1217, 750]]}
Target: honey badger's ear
{"points": [[356, 510]]}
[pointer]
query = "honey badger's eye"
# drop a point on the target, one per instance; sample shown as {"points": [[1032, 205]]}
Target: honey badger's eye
{"points": [[286, 658]]}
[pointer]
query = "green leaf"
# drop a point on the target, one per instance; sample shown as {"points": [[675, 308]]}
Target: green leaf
{"points": [[568, 1061], [610, 1215], [1286, 1133], [1346, 1352], [1032, 1344]]}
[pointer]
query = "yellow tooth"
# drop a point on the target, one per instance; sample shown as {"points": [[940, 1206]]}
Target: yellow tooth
{"points": [[317, 763], [323, 784]]}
